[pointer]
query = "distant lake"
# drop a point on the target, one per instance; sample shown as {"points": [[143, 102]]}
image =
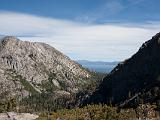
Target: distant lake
{"points": [[98, 66]]}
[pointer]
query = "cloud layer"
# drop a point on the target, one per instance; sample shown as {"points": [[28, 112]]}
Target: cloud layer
{"points": [[107, 42]]}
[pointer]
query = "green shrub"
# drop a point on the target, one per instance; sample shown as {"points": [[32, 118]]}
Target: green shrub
{"points": [[91, 112]]}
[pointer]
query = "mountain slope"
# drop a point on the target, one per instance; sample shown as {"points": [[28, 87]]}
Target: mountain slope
{"points": [[136, 79], [32, 67]]}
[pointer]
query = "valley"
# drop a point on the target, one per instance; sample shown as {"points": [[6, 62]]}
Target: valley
{"points": [[37, 78]]}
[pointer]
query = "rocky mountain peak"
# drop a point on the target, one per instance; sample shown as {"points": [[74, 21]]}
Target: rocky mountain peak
{"points": [[154, 42], [157, 36], [10, 38], [36, 67]]}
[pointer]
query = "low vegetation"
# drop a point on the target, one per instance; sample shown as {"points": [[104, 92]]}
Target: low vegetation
{"points": [[8, 105], [104, 112], [90, 112]]}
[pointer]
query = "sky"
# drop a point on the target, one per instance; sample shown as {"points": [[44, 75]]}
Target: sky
{"points": [[96, 30]]}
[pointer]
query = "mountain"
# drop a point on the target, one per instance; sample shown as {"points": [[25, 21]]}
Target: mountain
{"points": [[27, 68], [135, 80], [98, 66]]}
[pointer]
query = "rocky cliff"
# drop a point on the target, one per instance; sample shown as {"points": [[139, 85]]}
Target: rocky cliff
{"points": [[32, 67], [136, 79]]}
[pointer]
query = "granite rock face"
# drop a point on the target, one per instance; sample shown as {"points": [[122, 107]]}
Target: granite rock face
{"points": [[30, 67], [17, 116]]}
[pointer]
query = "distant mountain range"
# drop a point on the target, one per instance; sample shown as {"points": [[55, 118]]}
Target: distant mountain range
{"points": [[98, 66]]}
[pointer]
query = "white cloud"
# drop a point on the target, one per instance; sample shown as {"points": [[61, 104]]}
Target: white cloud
{"points": [[107, 42]]}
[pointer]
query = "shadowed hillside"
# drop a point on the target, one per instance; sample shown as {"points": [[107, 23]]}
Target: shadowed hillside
{"points": [[134, 81]]}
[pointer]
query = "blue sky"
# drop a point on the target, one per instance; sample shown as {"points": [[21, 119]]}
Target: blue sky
{"points": [[105, 30], [100, 10]]}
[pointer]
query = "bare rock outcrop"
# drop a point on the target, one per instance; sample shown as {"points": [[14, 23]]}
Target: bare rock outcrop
{"points": [[17, 116], [30, 67]]}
